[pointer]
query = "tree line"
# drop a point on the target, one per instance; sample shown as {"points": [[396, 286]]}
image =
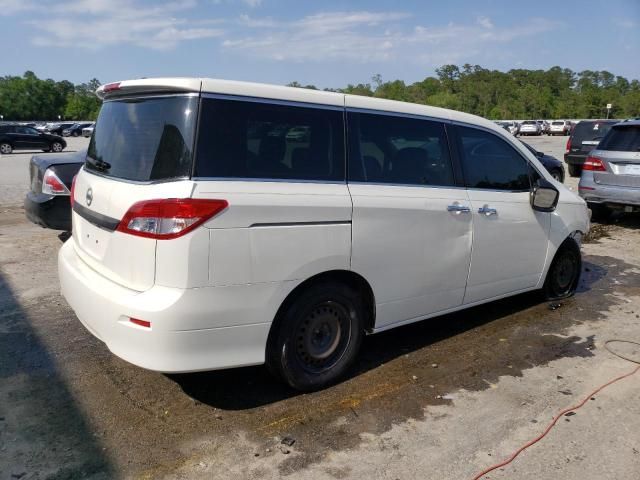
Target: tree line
{"points": [[31, 98], [516, 94]]}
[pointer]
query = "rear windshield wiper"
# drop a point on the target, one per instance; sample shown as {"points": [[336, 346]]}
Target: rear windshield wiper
{"points": [[99, 165]]}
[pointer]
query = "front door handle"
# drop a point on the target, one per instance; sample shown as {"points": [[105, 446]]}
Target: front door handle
{"points": [[488, 211], [458, 209]]}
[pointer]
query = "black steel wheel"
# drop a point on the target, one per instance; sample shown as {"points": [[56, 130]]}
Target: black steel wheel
{"points": [[317, 336], [564, 272]]}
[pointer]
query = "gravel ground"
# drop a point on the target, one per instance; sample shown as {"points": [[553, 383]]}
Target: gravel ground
{"points": [[441, 399]]}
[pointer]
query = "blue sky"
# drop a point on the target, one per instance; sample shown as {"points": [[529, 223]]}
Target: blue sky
{"points": [[327, 43]]}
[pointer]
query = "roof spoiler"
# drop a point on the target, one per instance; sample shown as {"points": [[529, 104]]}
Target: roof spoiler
{"points": [[149, 85]]}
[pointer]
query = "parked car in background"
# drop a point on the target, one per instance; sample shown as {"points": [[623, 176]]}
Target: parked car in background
{"points": [[511, 127], [88, 131], [585, 136], [47, 203], [610, 177], [57, 128], [554, 166], [530, 127], [187, 227], [560, 127], [18, 137], [544, 126], [75, 130]]}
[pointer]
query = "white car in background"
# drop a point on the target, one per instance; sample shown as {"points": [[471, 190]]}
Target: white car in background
{"points": [[530, 127], [204, 238], [88, 131], [560, 127]]}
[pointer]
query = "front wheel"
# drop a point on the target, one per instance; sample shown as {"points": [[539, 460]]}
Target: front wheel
{"points": [[75, 134], [56, 147], [6, 148], [318, 336], [557, 175], [564, 272]]}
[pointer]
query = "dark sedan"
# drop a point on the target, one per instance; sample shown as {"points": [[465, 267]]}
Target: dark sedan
{"points": [[75, 130], [552, 164], [19, 137], [48, 202]]}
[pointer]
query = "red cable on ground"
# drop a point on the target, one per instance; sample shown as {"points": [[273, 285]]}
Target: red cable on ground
{"points": [[553, 422]]}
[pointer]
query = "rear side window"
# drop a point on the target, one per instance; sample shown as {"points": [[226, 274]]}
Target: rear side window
{"points": [[398, 150], [241, 139], [489, 162], [144, 139], [622, 139]]}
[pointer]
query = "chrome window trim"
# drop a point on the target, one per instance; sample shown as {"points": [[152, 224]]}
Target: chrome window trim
{"points": [[271, 101], [390, 113], [413, 185]]}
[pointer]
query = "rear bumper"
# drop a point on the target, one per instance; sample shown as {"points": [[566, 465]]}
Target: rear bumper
{"points": [[227, 334], [48, 211], [610, 195]]}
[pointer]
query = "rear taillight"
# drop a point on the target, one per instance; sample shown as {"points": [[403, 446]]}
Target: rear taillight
{"points": [[73, 189], [52, 185], [169, 218], [568, 147], [594, 164]]}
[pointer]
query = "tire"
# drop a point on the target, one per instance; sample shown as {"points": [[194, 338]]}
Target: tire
{"points": [[564, 272], [557, 174], [5, 148], [575, 170], [56, 147], [599, 213], [317, 336], [75, 133]]}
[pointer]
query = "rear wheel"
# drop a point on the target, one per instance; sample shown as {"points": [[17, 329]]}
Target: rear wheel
{"points": [[56, 147], [599, 212], [564, 272], [6, 148], [318, 336], [575, 170]]}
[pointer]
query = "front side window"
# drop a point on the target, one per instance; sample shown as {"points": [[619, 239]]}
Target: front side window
{"points": [[489, 162], [243, 139], [398, 150]]}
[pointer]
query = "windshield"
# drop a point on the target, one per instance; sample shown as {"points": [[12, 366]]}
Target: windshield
{"points": [[144, 139]]}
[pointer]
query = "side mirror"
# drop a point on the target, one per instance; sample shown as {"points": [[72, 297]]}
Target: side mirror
{"points": [[544, 197]]}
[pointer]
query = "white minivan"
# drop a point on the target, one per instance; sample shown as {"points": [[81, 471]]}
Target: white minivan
{"points": [[219, 224]]}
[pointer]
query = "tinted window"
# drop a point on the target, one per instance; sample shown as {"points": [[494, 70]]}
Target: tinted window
{"points": [[391, 149], [239, 139], [490, 162], [144, 139], [587, 131], [622, 139]]}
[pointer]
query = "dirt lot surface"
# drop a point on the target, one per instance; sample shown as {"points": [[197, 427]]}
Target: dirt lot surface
{"points": [[441, 399]]}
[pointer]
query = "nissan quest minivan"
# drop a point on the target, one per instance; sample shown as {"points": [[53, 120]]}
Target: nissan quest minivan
{"points": [[220, 224]]}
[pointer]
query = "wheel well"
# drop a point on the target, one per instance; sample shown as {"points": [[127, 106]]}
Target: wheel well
{"points": [[345, 277]]}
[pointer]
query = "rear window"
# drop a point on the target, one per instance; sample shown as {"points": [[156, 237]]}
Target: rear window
{"points": [[622, 139], [557, 123], [587, 131], [529, 122], [144, 139], [243, 139]]}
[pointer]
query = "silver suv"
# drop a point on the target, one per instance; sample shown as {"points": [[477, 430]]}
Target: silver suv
{"points": [[611, 173]]}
